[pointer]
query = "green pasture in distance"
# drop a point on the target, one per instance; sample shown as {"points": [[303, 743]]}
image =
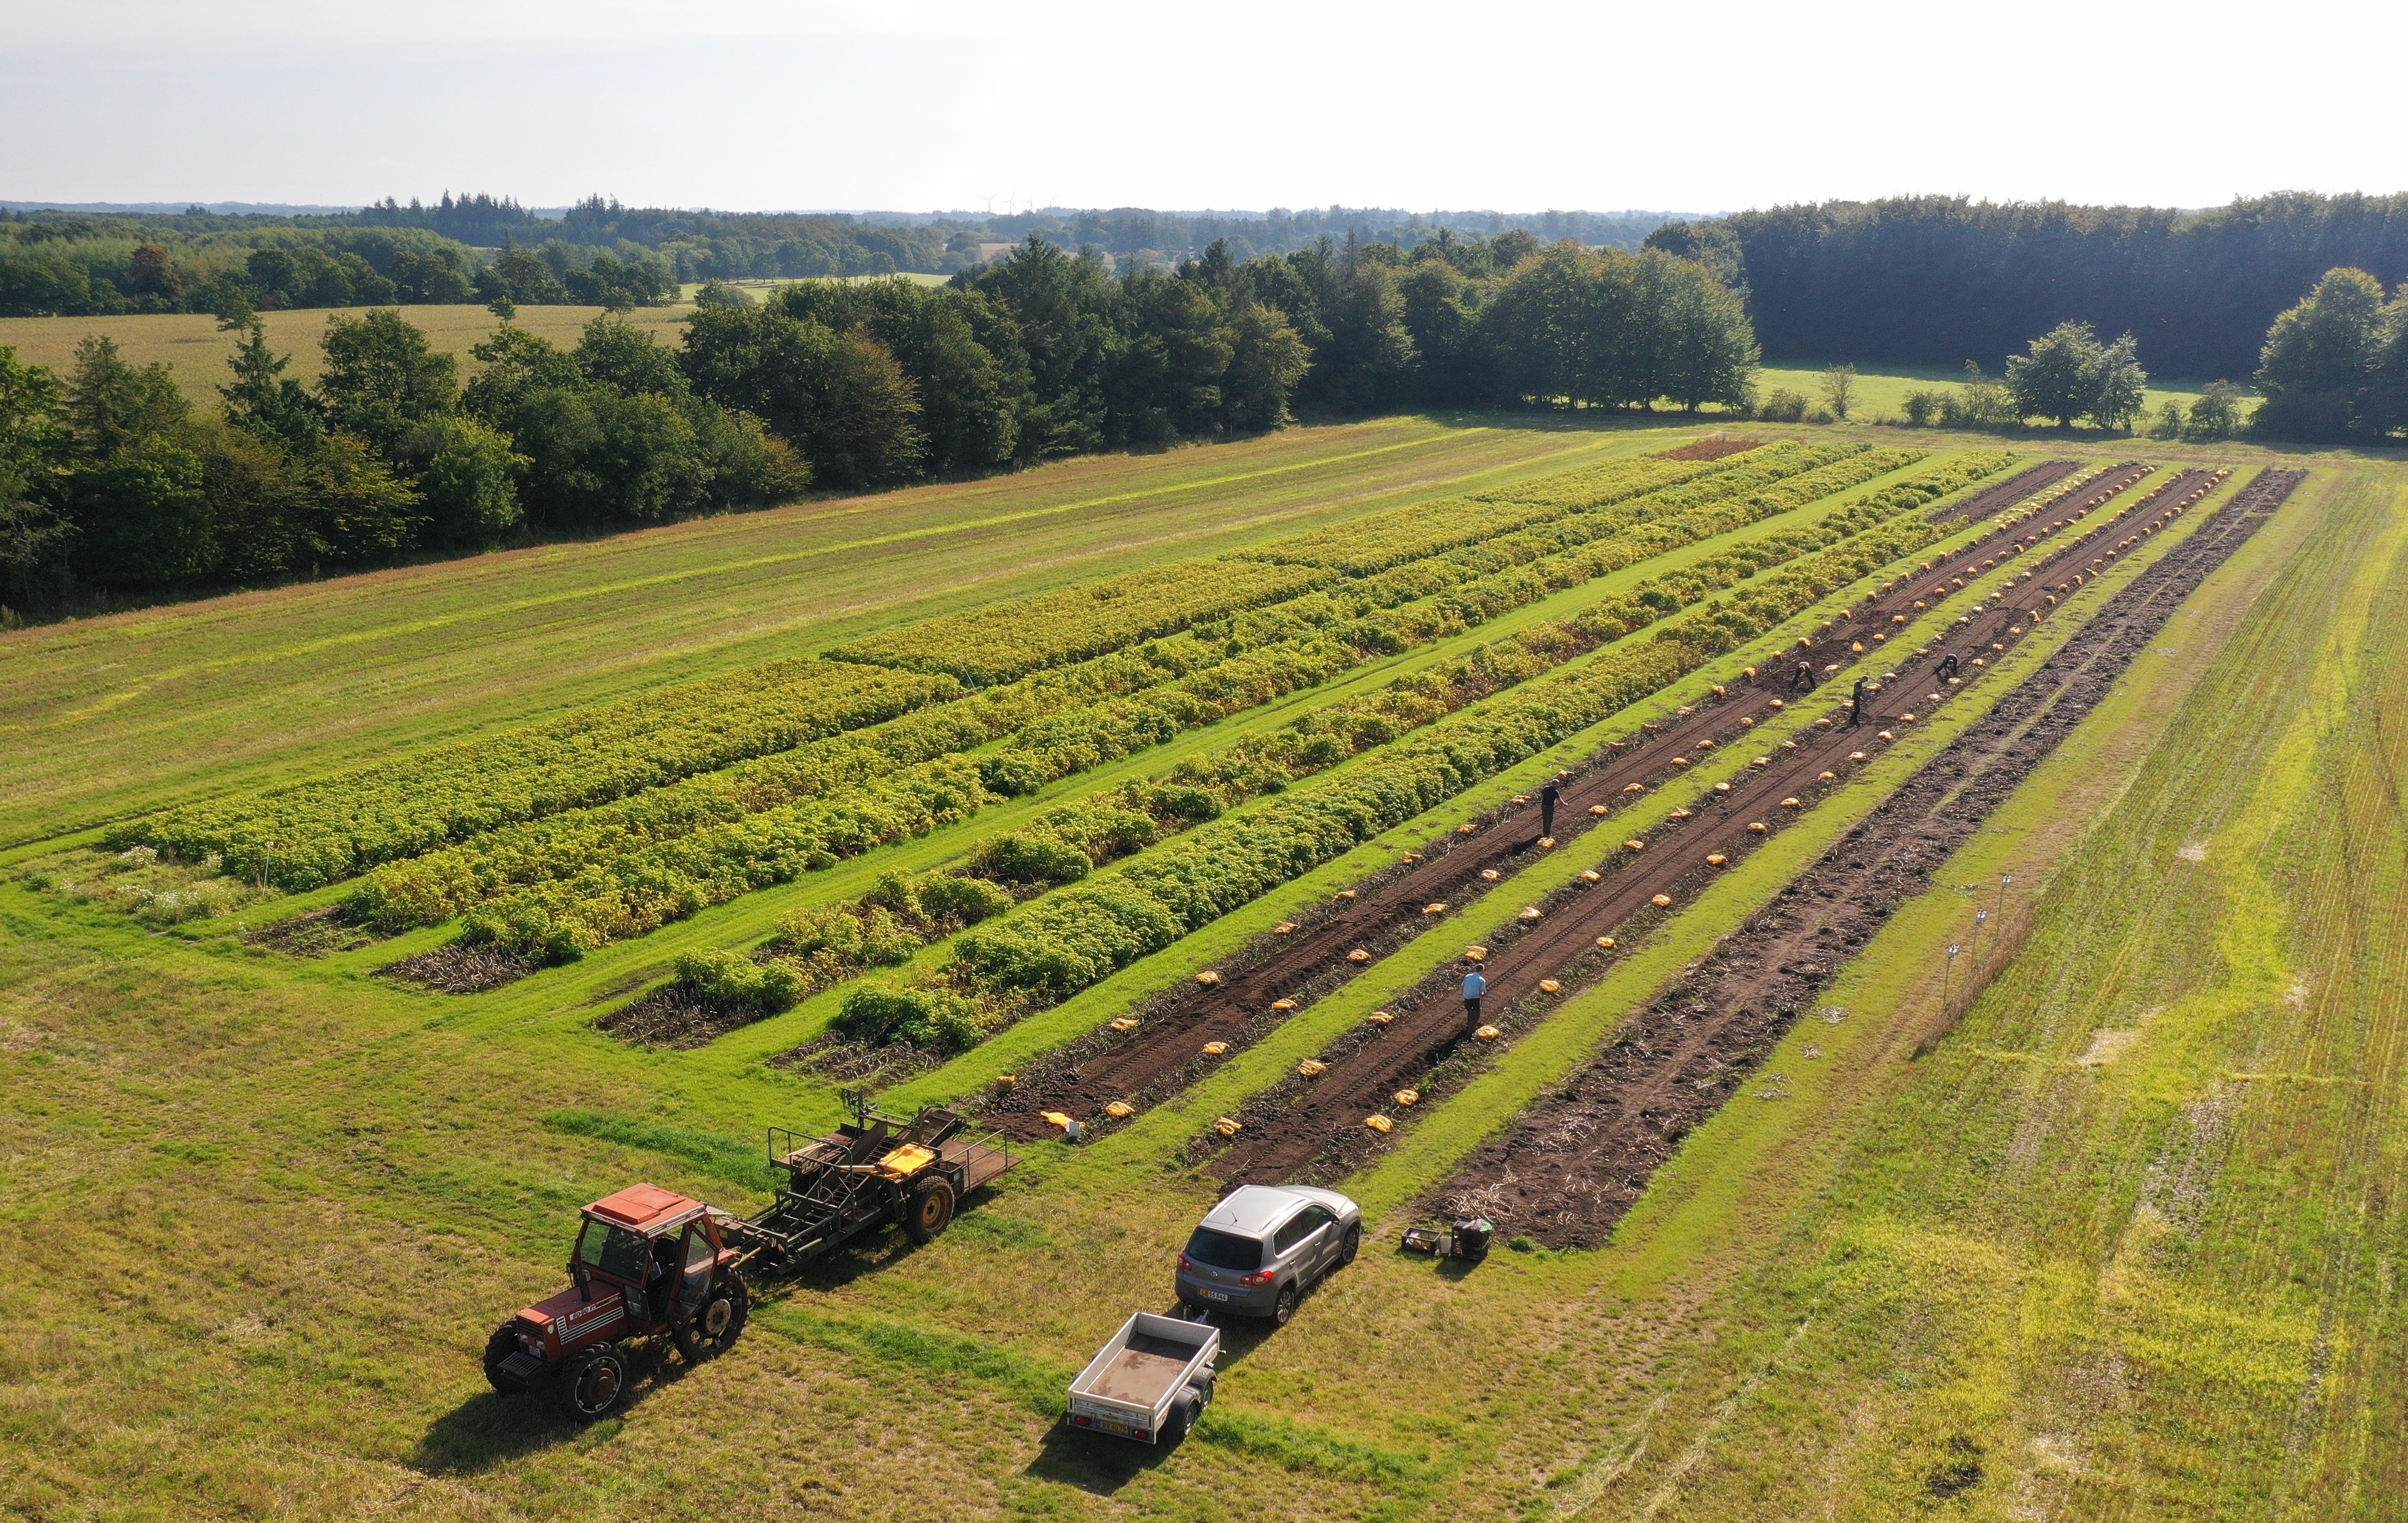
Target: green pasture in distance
{"points": [[1881, 389], [192, 345]]}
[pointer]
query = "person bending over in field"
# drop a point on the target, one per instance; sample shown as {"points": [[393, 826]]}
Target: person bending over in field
{"points": [[1803, 682], [1947, 667]]}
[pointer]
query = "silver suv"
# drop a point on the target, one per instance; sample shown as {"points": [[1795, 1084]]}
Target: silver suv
{"points": [[1256, 1251]]}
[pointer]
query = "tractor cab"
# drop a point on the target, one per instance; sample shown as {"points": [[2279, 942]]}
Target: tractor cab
{"points": [[646, 1262]]}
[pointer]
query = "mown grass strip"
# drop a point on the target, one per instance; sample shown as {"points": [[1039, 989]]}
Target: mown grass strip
{"points": [[710, 1153], [1043, 1388]]}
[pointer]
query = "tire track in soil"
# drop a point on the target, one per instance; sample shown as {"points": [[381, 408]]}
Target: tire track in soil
{"points": [[1297, 1122], [1163, 1054], [1569, 1168]]}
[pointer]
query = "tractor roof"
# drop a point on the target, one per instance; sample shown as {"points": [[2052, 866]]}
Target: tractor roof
{"points": [[644, 1208]]}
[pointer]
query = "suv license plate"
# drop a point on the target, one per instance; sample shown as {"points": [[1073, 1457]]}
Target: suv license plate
{"points": [[1215, 1295]]}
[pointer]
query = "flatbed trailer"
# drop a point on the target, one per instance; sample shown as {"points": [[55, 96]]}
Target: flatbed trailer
{"points": [[914, 1171], [1150, 1382]]}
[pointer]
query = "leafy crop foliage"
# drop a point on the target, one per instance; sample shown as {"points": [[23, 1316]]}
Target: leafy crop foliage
{"points": [[321, 832], [1076, 938], [564, 887]]}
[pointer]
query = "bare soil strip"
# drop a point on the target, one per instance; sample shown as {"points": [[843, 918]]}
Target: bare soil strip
{"points": [[2013, 490], [1578, 1159], [1164, 1052]]}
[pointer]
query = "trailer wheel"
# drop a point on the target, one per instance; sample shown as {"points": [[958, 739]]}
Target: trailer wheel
{"points": [[500, 1346], [930, 1209], [592, 1382], [1182, 1418], [714, 1331]]}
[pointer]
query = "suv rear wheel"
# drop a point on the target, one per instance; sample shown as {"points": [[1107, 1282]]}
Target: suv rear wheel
{"points": [[1285, 1307]]}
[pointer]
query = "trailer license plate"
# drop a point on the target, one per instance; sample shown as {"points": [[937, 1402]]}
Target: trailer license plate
{"points": [[1113, 1425]]}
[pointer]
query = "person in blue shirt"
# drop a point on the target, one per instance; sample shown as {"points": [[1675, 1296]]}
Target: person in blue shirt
{"points": [[1473, 987]]}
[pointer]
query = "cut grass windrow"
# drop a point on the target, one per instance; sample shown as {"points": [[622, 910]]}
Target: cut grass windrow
{"points": [[560, 887]]}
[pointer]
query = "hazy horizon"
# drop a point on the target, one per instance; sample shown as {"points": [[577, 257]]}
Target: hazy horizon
{"points": [[834, 102]]}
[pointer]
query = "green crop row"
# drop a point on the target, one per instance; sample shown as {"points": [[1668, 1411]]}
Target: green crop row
{"points": [[1075, 938], [332, 828], [1014, 638], [300, 837], [833, 942], [1396, 535], [710, 837]]}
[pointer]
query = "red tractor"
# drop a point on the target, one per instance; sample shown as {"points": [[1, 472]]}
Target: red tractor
{"points": [[648, 1262]]}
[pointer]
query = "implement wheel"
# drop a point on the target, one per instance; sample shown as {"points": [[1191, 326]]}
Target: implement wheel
{"points": [[715, 1328], [592, 1382], [929, 1208]]}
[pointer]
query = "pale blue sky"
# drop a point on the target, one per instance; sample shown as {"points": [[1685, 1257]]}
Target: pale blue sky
{"points": [[748, 105]]}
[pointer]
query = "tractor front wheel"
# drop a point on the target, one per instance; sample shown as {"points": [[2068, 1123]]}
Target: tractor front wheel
{"points": [[592, 1382], [930, 1209], [500, 1346], [714, 1331]]}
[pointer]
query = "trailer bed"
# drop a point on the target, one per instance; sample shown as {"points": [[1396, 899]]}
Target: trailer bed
{"points": [[1143, 1373]]}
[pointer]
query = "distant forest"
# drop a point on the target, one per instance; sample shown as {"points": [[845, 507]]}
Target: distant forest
{"points": [[111, 479], [478, 247], [1938, 281]]}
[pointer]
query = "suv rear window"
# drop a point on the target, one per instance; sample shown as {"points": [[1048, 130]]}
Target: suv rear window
{"points": [[1225, 1250]]}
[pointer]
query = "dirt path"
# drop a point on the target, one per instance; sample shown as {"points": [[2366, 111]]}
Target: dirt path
{"points": [[1566, 1171], [1163, 1054]]}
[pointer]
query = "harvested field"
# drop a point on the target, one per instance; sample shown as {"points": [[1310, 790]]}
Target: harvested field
{"points": [[1161, 1054], [319, 933], [2012, 490], [1285, 1133], [1566, 1172], [676, 1017], [461, 968]]}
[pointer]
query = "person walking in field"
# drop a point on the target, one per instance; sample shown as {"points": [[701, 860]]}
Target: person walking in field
{"points": [[1857, 704], [1549, 797], [1473, 987]]}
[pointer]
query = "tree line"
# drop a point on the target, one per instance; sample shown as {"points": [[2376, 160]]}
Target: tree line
{"points": [[1942, 279], [110, 479], [102, 266]]}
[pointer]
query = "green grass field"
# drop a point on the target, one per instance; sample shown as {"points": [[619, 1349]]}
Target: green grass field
{"points": [[191, 345], [1882, 389], [2120, 1247]]}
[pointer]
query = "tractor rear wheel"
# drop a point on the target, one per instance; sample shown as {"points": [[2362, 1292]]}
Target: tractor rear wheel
{"points": [[715, 1328], [592, 1382], [500, 1346], [930, 1209]]}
